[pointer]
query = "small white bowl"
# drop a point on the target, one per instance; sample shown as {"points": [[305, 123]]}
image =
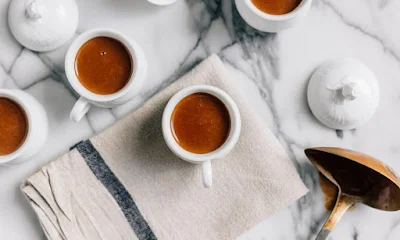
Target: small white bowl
{"points": [[162, 2]]}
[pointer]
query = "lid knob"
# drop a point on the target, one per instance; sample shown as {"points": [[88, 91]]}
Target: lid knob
{"points": [[355, 89], [33, 11], [350, 91]]}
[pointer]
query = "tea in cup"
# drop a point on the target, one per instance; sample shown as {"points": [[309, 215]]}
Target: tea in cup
{"points": [[13, 126], [272, 15], [23, 126], [105, 68], [276, 7], [201, 123]]}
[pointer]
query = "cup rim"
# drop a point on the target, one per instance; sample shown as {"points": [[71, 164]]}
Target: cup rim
{"points": [[73, 49], [15, 98], [234, 131], [280, 17]]}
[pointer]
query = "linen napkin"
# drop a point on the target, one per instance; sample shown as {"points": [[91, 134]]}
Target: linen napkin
{"points": [[126, 184]]}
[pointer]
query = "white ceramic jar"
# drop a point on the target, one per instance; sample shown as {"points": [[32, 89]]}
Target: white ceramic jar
{"points": [[37, 127], [271, 23], [343, 93], [43, 25]]}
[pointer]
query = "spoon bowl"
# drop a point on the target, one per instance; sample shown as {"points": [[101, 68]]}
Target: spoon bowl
{"points": [[359, 178]]}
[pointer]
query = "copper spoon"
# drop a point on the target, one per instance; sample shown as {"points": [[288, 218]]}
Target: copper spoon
{"points": [[359, 178]]}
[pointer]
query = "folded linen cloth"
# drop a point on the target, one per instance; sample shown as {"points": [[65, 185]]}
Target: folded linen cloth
{"points": [[126, 184]]}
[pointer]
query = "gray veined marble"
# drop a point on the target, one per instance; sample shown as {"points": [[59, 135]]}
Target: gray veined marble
{"points": [[271, 69]]}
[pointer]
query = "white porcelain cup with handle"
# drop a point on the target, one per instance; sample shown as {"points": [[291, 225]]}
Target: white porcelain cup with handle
{"points": [[268, 22], [223, 150], [88, 98], [37, 127]]}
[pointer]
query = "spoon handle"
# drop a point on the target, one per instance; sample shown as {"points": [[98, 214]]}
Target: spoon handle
{"points": [[323, 234], [343, 203]]}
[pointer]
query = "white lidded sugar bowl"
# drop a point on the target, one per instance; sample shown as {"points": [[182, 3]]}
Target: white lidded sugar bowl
{"points": [[343, 94], [43, 25]]}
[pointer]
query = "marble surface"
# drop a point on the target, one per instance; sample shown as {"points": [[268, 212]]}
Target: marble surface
{"points": [[272, 71]]}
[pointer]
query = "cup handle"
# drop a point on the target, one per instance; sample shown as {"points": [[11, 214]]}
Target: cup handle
{"points": [[207, 174], [79, 110]]}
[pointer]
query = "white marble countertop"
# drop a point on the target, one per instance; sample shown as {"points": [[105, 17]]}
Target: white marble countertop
{"points": [[271, 69]]}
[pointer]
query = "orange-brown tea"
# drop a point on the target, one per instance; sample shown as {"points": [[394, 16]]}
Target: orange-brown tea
{"points": [[276, 7], [13, 126], [103, 65], [200, 123]]}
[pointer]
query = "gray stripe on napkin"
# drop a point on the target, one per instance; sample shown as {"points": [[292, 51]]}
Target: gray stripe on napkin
{"points": [[116, 189]]}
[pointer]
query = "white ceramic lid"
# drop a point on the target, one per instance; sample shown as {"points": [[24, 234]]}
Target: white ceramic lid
{"points": [[343, 94], [43, 25]]}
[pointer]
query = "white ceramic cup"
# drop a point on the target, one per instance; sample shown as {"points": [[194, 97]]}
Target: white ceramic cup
{"points": [[130, 90], [271, 23], [37, 127], [204, 159]]}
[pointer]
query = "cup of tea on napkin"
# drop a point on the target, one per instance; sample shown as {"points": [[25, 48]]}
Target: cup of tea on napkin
{"points": [[126, 183], [201, 123]]}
